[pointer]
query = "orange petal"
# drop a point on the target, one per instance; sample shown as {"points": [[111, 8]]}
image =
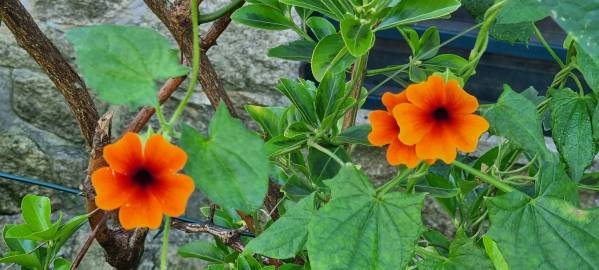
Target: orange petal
{"points": [[112, 189], [399, 153], [142, 210], [427, 95], [414, 123], [391, 99], [124, 155], [437, 144], [459, 101], [162, 157], [384, 128], [173, 191], [467, 129]]}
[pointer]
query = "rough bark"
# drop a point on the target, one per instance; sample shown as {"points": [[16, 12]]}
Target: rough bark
{"points": [[124, 249], [176, 17], [67, 81]]}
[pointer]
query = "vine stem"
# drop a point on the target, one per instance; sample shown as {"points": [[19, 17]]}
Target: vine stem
{"points": [[541, 38], [402, 175], [165, 236], [220, 12], [195, 64], [326, 151], [357, 78], [487, 178]]}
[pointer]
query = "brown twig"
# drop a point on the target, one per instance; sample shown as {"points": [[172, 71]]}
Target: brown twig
{"points": [[231, 237], [145, 114], [87, 244], [170, 86], [66, 80], [124, 249]]}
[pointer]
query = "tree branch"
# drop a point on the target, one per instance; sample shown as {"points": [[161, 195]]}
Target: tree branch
{"points": [[176, 17], [124, 249], [70, 85], [231, 237]]}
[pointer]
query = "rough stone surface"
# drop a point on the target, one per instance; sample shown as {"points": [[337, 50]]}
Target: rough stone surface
{"points": [[39, 138]]}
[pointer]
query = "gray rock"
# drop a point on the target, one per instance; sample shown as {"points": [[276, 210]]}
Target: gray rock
{"points": [[21, 156], [36, 100]]}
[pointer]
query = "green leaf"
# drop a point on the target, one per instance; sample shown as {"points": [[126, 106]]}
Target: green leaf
{"points": [[411, 11], [288, 235], [577, 18], [513, 33], [544, 232], [354, 135], [464, 254], [515, 117], [518, 11], [572, 129], [329, 93], [595, 123], [15, 244], [68, 229], [494, 253], [321, 27], [261, 16], [279, 145], [22, 258], [321, 166], [359, 230], [62, 264], [429, 43], [231, 165], [298, 50], [301, 95], [330, 55], [316, 5], [442, 61], [297, 187], [247, 263], [554, 182], [304, 13], [36, 212], [202, 249], [357, 35], [123, 63], [589, 68], [269, 118]]}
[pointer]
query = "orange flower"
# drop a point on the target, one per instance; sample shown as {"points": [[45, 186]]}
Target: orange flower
{"points": [[438, 119], [386, 131], [142, 181]]}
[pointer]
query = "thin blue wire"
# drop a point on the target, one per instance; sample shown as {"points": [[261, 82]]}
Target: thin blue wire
{"points": [[75, 191]]}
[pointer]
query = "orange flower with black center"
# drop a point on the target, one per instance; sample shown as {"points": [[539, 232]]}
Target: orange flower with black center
{"points": [[385, 131], [142, 181], [439, 119]]}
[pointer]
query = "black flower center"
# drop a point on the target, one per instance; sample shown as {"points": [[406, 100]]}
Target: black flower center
{"points": [[143, 177], [440, 114]]}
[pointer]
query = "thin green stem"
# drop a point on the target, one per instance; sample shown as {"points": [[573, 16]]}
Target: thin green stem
{"points": [[426, 53], [195, 64], [487, 178], [326, 151], [547, 47], [423, 252], [220, 12], [165, 235], [357, 80], [402, 175], [163, 123]]}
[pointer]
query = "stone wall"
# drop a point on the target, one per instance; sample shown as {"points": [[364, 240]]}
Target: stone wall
{"points": [[40, 139]]}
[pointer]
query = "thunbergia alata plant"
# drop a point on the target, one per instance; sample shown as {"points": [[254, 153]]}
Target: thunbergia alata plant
{"points": [[291, 197]]}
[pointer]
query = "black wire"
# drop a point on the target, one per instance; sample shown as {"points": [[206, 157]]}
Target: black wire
{"points": [[75, 191]]}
